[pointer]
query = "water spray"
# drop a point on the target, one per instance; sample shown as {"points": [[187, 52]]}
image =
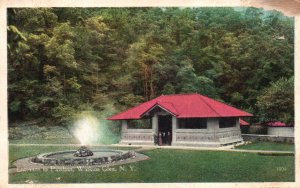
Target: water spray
{"points": [[85, 129]]}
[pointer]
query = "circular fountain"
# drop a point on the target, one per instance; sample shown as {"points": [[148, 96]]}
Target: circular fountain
{"points": [[87, 130], [83, 156]]}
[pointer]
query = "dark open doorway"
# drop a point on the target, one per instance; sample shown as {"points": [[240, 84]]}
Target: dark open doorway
{"points": [[164, 130]]}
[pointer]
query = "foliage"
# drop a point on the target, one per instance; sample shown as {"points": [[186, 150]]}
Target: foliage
{"points": [[276, 103], [63, 60]]}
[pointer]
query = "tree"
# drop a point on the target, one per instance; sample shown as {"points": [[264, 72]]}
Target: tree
{"points": [[276, 103], [142, 57], [63, 60]]}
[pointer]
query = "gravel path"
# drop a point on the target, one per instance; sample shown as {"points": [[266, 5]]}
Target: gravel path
{"points": [[224, 148], [148, 147]]}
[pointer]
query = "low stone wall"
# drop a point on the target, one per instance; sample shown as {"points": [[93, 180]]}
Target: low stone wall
{"points": [[186, 137], [213, 138], [270, 138], [281, 131], [137, 137], [194, 135]]}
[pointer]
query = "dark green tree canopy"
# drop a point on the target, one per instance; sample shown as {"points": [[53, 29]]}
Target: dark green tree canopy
{"points": [[64, 60]]}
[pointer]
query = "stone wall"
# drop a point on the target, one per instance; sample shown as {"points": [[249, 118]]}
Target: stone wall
{"points": [[195, 137], [136, 136], [213, 136], [205, 137], [281, 131], [269, 138], [229, 135]]}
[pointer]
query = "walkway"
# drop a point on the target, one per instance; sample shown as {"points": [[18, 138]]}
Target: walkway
{"points": [[223, 148], [149, 147]]}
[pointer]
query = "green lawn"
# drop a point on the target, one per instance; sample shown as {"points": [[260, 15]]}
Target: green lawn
{"points": [[169, 166], [44, 141], [34, 134], [268, 146]]}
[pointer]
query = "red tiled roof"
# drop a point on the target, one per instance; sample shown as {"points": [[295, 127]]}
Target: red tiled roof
{"points": [[276, 124], [244, 123], [183, 106]]}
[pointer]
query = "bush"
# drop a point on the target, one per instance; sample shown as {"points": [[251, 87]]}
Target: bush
{"points": [[258, 129]]}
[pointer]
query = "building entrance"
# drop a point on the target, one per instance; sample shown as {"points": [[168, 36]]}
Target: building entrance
{"points": [[164, 130]]}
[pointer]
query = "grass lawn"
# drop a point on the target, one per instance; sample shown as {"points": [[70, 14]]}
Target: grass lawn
{"points": [[168, 166], [268, 146], [44, 141], [34, 134]]}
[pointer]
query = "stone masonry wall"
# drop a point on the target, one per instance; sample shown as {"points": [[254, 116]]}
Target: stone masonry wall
{"points": [[270, 138]]}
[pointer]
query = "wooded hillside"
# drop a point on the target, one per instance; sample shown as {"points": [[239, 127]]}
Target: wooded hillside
{"points": [[65, 60]]}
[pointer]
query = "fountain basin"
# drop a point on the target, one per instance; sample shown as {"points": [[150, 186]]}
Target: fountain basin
{"points": [[67, 157]]}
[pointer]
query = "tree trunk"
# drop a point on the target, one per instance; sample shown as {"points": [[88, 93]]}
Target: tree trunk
{"points": [[152, 92], [145, 83], [97, 78], [64, 88], [43, 59]]}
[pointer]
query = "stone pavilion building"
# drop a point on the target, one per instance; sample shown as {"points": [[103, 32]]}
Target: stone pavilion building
{"points": [[181, 120]]}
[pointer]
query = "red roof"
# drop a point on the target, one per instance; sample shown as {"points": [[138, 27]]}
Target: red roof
{"points": [[276, 124], [244, 123], [183, 106]]}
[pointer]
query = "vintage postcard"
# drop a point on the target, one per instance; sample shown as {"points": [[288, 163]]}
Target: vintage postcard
{"points": [[174, 93]]}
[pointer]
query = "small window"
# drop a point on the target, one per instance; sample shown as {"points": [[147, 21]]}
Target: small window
{"points": [[140, 124], [192, 123], [227, 122]]}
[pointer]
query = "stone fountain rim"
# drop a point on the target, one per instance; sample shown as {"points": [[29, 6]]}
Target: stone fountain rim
{"points": [[47, 155], [93, 160], [26, 164]]}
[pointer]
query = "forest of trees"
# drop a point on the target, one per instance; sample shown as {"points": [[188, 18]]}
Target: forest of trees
{"points": [[65, 60]]}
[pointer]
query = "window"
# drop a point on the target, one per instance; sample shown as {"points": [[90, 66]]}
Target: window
{"points": [[227, 122], [140, 124], [192, 123]]}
